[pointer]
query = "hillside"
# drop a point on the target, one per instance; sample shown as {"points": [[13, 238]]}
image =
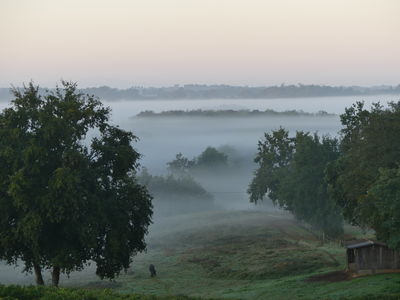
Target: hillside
{"points": [[244, 255]]}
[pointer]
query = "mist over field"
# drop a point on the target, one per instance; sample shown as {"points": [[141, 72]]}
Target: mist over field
{"points": [[191, 135], [161, 138]]}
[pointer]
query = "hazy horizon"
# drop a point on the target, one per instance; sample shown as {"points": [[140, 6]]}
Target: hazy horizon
{"points": [[58, 83]]}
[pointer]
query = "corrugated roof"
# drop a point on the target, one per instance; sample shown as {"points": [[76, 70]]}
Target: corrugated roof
{"points": [[363, 243]]}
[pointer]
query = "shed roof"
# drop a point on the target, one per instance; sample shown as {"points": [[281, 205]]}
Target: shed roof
{"points": [[363, 243]]}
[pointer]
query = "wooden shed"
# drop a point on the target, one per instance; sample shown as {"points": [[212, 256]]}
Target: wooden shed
{"points": [[370, 257]]}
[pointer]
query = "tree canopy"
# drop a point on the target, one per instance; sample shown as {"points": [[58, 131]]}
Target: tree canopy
{"points": [[66, 200], [364, 180], [291, 174]]}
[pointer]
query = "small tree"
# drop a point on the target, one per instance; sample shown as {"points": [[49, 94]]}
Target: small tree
{"points": [[65, 200]]}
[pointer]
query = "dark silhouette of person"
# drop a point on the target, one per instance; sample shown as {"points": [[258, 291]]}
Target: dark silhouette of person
{"points": [[152, 270]]}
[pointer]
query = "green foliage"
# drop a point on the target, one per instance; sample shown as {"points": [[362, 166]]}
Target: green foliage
{"points": [[291, 174], [274, 155], [65, 200], [364, 180], [385, 193]]}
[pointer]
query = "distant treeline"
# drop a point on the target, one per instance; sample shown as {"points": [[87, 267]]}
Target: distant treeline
{"points": [[198, 91], [228, 113]]}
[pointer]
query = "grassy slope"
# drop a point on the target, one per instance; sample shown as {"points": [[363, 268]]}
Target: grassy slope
{"points": [[243, 255]]}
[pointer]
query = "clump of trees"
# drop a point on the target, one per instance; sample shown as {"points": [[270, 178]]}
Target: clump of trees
{"points": [[322, 179], [364, 180], [180, 191], [291, 174], [210, 159], [65, 200]]}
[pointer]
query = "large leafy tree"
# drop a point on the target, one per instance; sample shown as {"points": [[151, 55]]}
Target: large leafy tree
{"points": [[66, 200], [291, 173], [363, 180]]}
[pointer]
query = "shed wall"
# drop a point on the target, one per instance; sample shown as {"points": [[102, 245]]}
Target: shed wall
{"points": [[376, 257]]}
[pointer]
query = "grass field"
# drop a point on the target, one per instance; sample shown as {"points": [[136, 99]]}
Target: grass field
{"points": [[19, 292], [243, 255]]}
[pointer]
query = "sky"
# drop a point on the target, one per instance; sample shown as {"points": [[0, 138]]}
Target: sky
{"points": [[124, 43]]}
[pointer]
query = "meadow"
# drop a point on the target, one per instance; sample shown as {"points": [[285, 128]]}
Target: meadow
{"points": [[245, 255]]}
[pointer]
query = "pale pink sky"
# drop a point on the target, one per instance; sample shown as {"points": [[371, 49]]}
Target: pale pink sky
{"points": [[163, 42]]}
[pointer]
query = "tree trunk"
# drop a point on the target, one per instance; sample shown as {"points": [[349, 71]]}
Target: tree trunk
{"points": [[55, 276], [38, 274]]}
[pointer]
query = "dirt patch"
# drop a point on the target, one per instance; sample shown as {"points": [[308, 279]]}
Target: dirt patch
{"points": [[330, 277]]}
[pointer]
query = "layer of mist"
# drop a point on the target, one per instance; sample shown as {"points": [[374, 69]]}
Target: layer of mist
{"points": [[162, 138]]}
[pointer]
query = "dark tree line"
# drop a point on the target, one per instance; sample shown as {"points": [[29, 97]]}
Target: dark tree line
{"points": [[322, 180], [199, 91], [230, 113]]}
